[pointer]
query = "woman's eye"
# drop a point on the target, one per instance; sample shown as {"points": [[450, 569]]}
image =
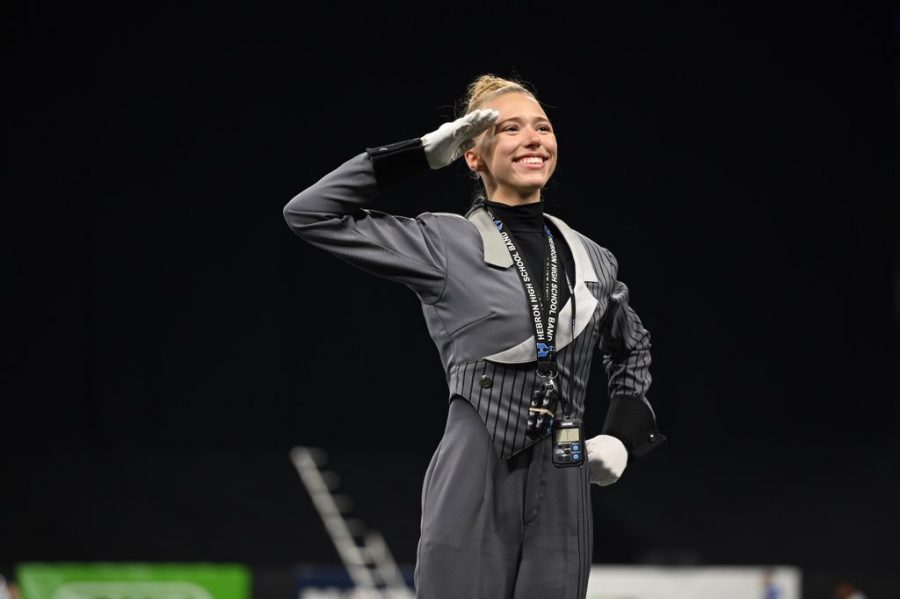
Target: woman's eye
{"points": [[516, 128]]}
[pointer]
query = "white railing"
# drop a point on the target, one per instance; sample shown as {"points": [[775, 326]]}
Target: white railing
{"points": [[369, 563]]}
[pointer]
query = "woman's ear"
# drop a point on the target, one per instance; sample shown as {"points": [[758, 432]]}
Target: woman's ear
{"points": [[472, 159]]}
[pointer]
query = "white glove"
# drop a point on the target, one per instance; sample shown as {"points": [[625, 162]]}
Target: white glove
{"points": [[607, 457], [451, 140]]}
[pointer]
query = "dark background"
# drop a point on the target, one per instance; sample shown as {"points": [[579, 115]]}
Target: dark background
{"points": [[168, 339]]}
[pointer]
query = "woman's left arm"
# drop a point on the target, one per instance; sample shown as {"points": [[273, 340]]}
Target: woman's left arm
{"points": [[630, 427], [625, 345]]}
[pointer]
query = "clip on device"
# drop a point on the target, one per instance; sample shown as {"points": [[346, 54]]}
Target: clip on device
{"points": [[568, 443]]}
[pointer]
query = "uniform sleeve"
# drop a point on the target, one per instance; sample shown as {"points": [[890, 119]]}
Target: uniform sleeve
{"points": [[625, 345], [333, 215]]}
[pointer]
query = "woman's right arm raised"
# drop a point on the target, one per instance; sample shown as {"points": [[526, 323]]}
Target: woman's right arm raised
{"points": [[331, 214]]}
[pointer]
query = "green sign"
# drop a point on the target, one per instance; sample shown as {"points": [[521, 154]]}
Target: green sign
{"points": [[133, 581]]}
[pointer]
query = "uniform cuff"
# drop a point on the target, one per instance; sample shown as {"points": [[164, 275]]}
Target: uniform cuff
{"points": [[630, 420], [397, 161]]}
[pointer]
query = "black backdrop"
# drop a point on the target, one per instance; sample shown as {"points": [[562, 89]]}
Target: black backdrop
{"points": [[168, 339]]}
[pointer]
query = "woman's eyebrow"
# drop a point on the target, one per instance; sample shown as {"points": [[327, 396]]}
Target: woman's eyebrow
{"points": [[519, 119]]}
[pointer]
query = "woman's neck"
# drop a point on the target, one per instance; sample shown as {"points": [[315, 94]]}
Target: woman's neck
{"points": [[511, 196], [524, 217], [512, 202], [530, 207]]}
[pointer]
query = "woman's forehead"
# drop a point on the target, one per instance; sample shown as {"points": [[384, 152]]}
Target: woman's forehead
{"points": [[516, 105]]}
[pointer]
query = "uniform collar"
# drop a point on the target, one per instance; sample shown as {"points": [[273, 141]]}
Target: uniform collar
{"points": [[496, 254]]}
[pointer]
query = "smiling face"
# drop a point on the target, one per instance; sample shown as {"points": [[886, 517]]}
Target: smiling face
{"points": [[516, 157]]}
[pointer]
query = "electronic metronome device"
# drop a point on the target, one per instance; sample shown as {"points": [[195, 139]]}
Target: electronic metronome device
{"points": [[568, 443]]}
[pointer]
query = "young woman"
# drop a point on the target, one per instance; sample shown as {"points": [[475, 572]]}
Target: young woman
{"points": [[516, 302]]}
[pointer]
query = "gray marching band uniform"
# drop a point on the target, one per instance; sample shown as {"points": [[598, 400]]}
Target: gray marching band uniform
{"points": [[498, 518]]}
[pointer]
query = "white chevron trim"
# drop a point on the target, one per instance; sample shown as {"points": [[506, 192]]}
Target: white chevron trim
{"points": [[585, 301]]}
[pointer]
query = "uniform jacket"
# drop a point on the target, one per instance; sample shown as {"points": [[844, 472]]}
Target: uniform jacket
{"points": [[474, 305]]}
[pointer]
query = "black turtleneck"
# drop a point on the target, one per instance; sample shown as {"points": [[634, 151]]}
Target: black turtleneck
{"points": [[526, 225]]}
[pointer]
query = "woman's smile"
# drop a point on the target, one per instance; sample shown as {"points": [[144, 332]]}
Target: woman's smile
{"points": [[532, 164]]}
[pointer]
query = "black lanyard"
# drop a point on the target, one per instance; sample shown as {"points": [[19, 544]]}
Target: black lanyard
{"points": [[544, 308], [544, 312]]}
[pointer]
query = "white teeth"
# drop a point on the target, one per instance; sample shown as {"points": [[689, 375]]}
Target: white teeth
{"points": [[533, 160]]}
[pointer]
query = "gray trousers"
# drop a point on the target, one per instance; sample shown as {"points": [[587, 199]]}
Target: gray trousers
{"points": [[491, 529]]}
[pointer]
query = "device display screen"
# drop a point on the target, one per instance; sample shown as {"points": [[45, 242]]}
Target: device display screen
{"points": [[566, 435]]}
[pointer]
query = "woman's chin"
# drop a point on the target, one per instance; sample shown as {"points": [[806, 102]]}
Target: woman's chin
{"points": [[524, 186], [532, 186]]}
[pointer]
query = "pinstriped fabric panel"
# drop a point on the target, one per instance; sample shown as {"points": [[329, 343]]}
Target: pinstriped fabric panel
{"points": [[503, 405], [519, 436], [574, 362], [629, 377], [601, 262]]}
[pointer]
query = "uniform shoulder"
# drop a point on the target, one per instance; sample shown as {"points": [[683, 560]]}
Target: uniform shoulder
{"points": [[447, 215], [599, 252], [587, 240], [444, 218]]}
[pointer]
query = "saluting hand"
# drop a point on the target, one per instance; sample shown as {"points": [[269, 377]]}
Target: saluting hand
{"points": [[451, 140], [607, 457]]}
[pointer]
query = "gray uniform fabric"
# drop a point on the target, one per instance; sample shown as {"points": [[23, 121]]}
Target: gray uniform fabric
{"points": [[492, 529], [475, 309]]}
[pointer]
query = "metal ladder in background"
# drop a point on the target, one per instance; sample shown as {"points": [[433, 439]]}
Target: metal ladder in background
{"points": [[370, 563]]}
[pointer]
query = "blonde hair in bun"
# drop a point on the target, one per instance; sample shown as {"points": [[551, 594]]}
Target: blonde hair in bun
{"points": [[488, 86]]}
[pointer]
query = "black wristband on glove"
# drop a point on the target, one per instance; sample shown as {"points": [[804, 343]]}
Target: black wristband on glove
{"points": [[631, 421], [397, 161]]}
